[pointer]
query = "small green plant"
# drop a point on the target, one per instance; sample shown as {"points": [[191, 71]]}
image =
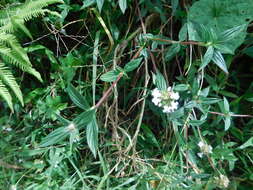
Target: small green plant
{"points": [[12, 18]]}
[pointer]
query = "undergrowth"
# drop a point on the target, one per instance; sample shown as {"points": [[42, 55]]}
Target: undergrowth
{"points": [[135, 95]]}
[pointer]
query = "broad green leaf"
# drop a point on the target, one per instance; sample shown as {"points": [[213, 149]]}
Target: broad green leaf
{"points": [[110, 76], [130, 66], [207, 57], [248, 143], [92, 136], [123, 5], [100, 4], [231, 33], [77, 98], [222, 15], [219, 61]]}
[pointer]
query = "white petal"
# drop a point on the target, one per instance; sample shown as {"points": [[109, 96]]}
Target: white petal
{"points": [[175, 95], [201, 144], [156, 93], [200, 154]]}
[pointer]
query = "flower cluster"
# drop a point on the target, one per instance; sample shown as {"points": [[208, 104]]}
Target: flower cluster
{"points": [[205, 149], [167, 99], [222, 181]]}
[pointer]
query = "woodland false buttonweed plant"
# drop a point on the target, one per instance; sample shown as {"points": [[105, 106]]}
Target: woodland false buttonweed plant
{"points": [[205, 149], [167, 99]]}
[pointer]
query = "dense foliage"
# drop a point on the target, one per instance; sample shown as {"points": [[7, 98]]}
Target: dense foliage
{"points": [[131, 94]]}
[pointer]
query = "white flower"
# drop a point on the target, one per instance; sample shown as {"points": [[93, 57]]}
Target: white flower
{"points": [[167, 99], [166, 109], [174, 105], [200, 154], [156, 93], [71, 127], [174, 95], [156, 101], [222, 181], [13, 187], [201, 144], [205, 149]]}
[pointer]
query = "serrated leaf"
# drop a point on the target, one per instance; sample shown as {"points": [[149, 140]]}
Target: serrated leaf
{"points": [[92, 136], [110, 76], [130, 66], [77, 98], [123, 5], [207, 57], [219, 61]]}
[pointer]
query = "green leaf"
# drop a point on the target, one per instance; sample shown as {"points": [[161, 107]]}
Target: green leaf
{"points": [[160, 81], [223, 48], [183, 33], [248, 143], [174, 4], [100, 4], [222, 15], [130, 66], [219, 61], [77, 98], [87, 3], [110, 76], [207, 57], [227, 122], [181, 87], [123, 5], [54, 137], [92, 136], [231, 33], [84, 118], [226, 105], [172, 51]]}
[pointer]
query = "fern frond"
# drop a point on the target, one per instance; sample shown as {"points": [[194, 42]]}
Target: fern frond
{"points": [[25, 12], [4, 93], [7, 78]]}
